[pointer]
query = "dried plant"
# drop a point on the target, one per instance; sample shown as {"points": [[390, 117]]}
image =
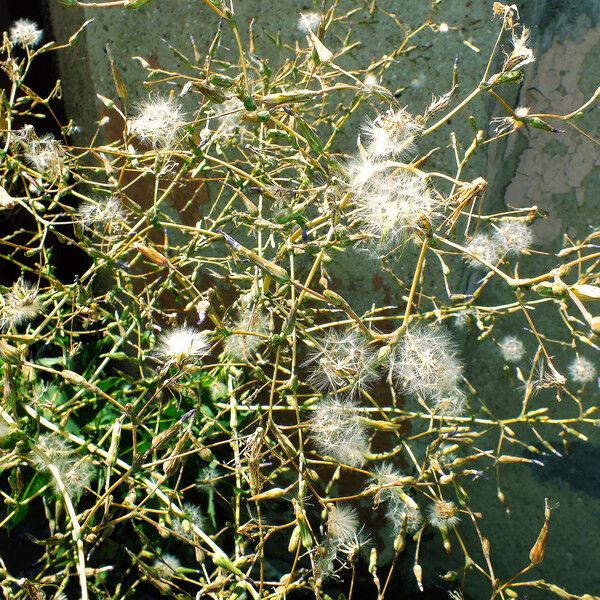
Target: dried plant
{"points": [[199, 412]]}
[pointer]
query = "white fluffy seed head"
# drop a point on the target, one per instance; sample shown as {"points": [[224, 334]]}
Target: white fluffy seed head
{"points": [[342, 523], [76, 476], [193, 516], [425, 363], [513, 237], [45, 155], [394, 204], [485, 247], [463, 317], [20, 305], [385, 475], [26, 33], [451, 404], [245, 345], [229, 116], [390, 134], [336, 431], [166, 566], [343, 361], [182, 343], [158, 121], [582, 370], [359, 170], [309, 21], [404, 515], [521, 54], [103, 213], [443, 514], [75, 473], [512, 348], [55, 447]]}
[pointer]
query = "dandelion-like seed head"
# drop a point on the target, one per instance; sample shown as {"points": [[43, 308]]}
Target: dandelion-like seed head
{"points": [[230, 116], [485, 247], [582, 370], [425, 363], [463, 317], [443, 514], [390, 134], [342, 523], [393, 204], [336, 431], [75, 473], [343, 361], [182, 343], [512, 348], [309, 21], [45, 155], [207, 478], [193, 516], [513, 237], [55, 447], [359, 170], [26, 33], [166, 566], [521, 54], [385, 474], [404, 515], [20, 305], [158, 121], [105, 213], [451, 405], [245, 345]]}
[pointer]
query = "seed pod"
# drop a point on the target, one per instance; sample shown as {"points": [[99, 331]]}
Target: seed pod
{"points": [[223, 561], [269, 494], [418, 572], [536, 555], [151, 254], [294, 540], [585, 292]]}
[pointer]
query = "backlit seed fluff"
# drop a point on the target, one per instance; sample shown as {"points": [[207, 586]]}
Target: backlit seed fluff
{"points": [[166, 566], [182, 343], [102, 213], [392, 204], [451, 404], [404, 515], [45, 155], [390, 134], [342, 523], [336, 431], [309, 21], [244, 345], [483, 247], [386, 475], [342, 361], [582, 370], [75, 473], [512, 348], [513, 237], [20, 305], [25, 33], [443, 514], [425, 363], [158, 122], [193, 516]]}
